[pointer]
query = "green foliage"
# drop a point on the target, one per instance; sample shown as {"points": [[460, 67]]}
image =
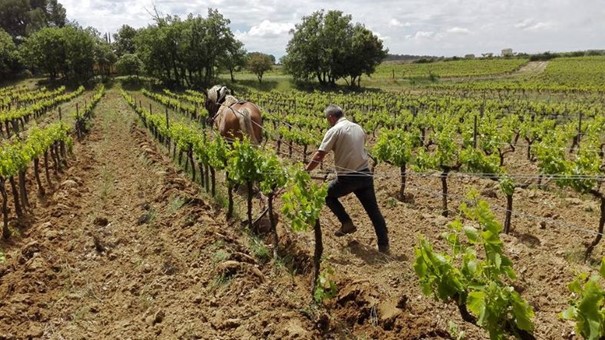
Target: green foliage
{"points": [[45, 50], [303, 200], [507, 185], [18, 155], [446, 153], [9, 56], [129, 65], [274, 173], [444, 69], [235, 58], [328, 46], [577, 171], [395, 146], [20, 18], [478, 284], [475, 160], [242, 162], [325, 288], [588, 307], [123, 41], [67, 51], [187, 52], [104, 57], [259, 63]]}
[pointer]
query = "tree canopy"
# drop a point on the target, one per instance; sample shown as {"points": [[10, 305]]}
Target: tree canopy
{"points": [[129, 65], [123, 41], [21, 18], [70, 52], [187, 52], [328, 47], [259, 63], [9, 56]]}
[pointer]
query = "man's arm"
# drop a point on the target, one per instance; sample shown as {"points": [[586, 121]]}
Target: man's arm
{"points": [[317, 158]]}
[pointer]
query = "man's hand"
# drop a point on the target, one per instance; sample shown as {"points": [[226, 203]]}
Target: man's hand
{"points": [[318, 157]]}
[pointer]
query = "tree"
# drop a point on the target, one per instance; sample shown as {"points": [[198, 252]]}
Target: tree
{"points": [[187, 52], [328, 47], [104, 57], [259, 63], [235, 58], [124, 40], [56, 14], [45, 50], [14, 17], [9, 55], [129, 64], [367, 52], [21, 18], [68, 51], [79, 52]]}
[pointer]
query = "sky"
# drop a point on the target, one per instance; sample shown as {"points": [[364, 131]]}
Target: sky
{"points": [[417, 27]]}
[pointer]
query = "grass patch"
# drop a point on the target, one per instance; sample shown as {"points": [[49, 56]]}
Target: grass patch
{"points": [[259, 249], [106, 184], [175, 204], [219, 282], [220, 256]]}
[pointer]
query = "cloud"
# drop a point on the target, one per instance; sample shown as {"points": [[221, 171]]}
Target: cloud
{"points": [[410, 27], [420, 35], [396, 23], [458, 30], [531, 25], [270, 29]]}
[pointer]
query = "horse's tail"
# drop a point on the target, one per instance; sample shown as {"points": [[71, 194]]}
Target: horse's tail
{"points": [[245, 122]]}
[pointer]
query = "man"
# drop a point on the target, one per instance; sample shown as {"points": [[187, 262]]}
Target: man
{"points": [[347, 140]]}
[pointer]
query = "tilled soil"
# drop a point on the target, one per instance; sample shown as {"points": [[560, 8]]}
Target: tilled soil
{"points": [[125, 245]]}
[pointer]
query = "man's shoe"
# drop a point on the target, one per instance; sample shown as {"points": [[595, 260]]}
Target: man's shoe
{"points": [[346, 228], [384, 249]]}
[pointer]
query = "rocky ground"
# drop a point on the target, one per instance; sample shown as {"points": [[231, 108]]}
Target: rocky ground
{"points": [[125, 245]]}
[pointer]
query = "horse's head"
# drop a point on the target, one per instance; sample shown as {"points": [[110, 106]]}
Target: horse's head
{"points": [[215, 96]]}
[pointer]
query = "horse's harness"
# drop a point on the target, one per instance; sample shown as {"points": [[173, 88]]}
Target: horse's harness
{"points": [[220, 103]]}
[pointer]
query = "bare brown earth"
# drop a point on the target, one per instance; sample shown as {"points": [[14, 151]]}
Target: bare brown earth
{"points": [[127, 246], [533, 67]]}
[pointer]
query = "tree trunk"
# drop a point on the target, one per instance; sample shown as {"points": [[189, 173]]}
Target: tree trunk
{"points": [[37, 176], [202, 174], [229, 195], [55, 162], [192, 163], [16, 197], [319, 248], [22, 189], [63, 150], [529, 143], [212, 181], [443, 177], [46, 167], [403, 173], [600, 230], [5, 231], [509, 213]]}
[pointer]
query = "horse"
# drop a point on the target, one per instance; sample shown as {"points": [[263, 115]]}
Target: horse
{"points": [[233, 118]]}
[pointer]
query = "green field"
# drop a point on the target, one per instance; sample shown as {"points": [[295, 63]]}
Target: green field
{"points": [[448, 69]]}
